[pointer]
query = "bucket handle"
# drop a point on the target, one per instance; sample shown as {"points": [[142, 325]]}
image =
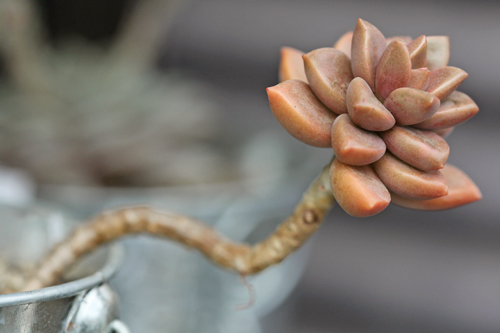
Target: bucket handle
{"points": [[117, 326]]}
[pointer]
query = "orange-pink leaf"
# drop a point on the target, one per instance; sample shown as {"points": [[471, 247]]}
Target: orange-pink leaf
{"points": [[444, 132], [454, 110], [418, 52], [411, 106], [461, 191], [291, 65], [358, 190], [404, 39], [344, 43], [393, 70], [329, 72], [423, 150], [419, 78], [365, 109], [443, 81], [408, 181], [353, 145], [300, 112], [368, 44], [438, 51]]}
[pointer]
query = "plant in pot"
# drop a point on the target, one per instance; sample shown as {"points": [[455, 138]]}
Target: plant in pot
{"points": [[383, 104], [98, 125]]}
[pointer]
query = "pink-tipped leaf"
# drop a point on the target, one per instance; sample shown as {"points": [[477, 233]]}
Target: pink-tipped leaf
{"points": [[438, 52], [418, 52], [300, 112], [443, 81], [461, 191], [353, 145], [411, 106], [291, 65], [419, 78], [329, 72], [408, 181], [454, 110], [344, 43], [393, 70], [445, 132], [368, 44], [404, 39], [358, 190], [423, 150], [365, 109]]}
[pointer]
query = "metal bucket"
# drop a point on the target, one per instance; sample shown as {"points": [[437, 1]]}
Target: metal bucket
{"points": [[165, 288], [86, 304]]}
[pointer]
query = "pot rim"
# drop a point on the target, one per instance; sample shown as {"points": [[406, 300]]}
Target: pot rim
{"points": [[68, 289]]}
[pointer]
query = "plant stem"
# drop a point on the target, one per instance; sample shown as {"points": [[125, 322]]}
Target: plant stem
{"points": [[242, 258]]}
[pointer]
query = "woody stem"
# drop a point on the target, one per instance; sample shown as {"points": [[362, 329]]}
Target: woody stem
{"points": [[242, 258]]}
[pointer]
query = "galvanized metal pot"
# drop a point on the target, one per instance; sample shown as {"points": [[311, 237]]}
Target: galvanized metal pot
{"points": [[86, 304], [164, 287]]}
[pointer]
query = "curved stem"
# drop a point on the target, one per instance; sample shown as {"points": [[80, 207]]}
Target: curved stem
{"points": [[242, 258]]}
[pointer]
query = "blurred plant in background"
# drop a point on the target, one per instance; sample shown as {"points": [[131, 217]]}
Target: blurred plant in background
{"points": [[78, 113]]}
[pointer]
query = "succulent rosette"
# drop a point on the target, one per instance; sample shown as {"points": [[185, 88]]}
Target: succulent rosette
{"points": [[384, 105]]}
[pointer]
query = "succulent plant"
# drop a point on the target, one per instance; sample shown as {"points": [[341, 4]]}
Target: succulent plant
{"points": [[384, 105]]}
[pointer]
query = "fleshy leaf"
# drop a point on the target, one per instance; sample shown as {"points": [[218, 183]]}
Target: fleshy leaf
{"points": [[410, 106], [404, 39], [454, 110], [358, 190], [445, 132], [393, 70], [408, 181], [438, 52], [291, 65], [423, 150], [443, 81], [365, 109], [419, 78], [300, 112], [329, 72], [353, 145], [368, 44], [344, 43], [461, 191], [418, 52]]}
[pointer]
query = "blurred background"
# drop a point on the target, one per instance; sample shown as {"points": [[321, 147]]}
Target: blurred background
{"points": [[400, 271]]}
